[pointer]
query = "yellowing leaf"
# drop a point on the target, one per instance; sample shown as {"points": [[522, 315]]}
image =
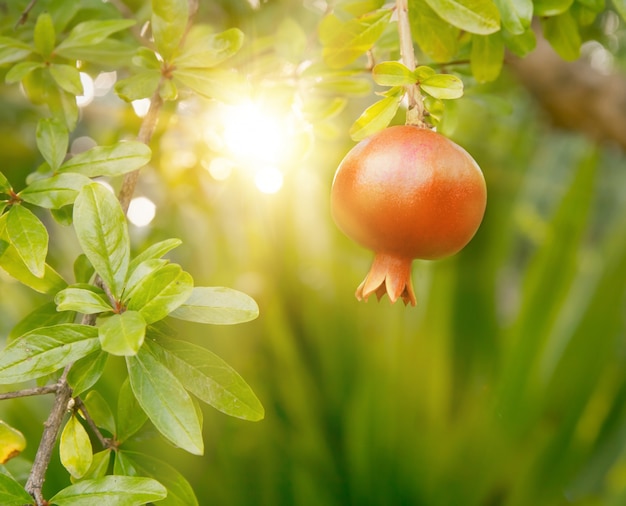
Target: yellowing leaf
{"points": [[12, 442], [75, 448]]}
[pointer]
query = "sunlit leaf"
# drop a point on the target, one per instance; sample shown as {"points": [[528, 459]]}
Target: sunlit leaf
{"points": [[169, 21], [5, 186], [551, 7], [562, 33], [46, 350], [86, 299], [204, 49], [112, 491], [83, 270], [112, 160], [86, 372], [44, 35], [122, 334], [67, 77], [75, 448], [487, 57], [141, 85], [393, 73], [52, 141], [437, 38], [92, 32], [29, 237], [217, 305], [110, 52], [156, 250], [130, 416], [103, 234], [54, 192], [291, 40], [474, 16], [100, 411], [516, 15], [375, 118], [20, 70], [12, 493], [12, 442], [209, 378], [443, 86], [166, 402], [221, 85]]}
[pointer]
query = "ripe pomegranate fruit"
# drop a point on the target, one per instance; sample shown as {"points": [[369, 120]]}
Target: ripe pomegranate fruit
{"points": [[406, 192]]}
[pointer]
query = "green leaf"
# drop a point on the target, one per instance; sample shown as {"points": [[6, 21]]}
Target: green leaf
{"points": [[99, 465], [179, 492], [487, 57], [166, 402], [75, 448], [12, 443], [46, 350], [100, 411], [169, 21], [45, 315], [109, 52], [103, 234], [209, 378], [83, 270], [111, 161], [320, 108], [204, 49], [218, 306], [52, 141], [12, 493], [86, 372], [144, 269], [516, 15], [393, 73], [63, 215], [551, 7], [122, 334], [112, 491], [437, 38], [130, 416], [161, 292], [562, 33], [86, 299], [521, 44], [20, 70], [29, 237], [55, 192], [154, 251], [474, 16], [345, 42], [44, 35], [443, 86], [375, 118], [168, 90], [67, 77], [141, 85], [342, 85], [91, 33], [221, 85], [5, 186]]}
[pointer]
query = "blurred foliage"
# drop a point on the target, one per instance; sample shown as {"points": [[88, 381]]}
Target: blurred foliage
{"points": [[506, 385]]}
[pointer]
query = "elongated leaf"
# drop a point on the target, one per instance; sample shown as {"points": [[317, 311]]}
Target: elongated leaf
{"points": [[217, 305], [67, 77], [169, 20], [161, 292], [375, 118], [20, 70], [221, 85], [443, 86], [54, 192], [516, 15], [130, 416], [179, 492], [99, 465], [141, 85], [474, 16], [100, 411], [156, 250], [551, 7], [103, 234], [166, 402], [142, 271], [487, 57], [83, 270], [45, 315], [393, 73], [29, 237], [52, 141], [122, 334], [112, 491], [437, 38], [12, 493], [204, 49], [86, 372], [44, 35], [46, 350], [90, 33], [112, 160], [12, 442], [86, 300], [63, 215], [521, 44], [209, 378], [5, 186], [109, 52], [75, 448], [562, 33]]}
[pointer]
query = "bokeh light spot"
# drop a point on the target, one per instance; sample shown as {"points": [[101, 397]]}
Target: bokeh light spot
{"points": [[269, 180], [141, 211]]}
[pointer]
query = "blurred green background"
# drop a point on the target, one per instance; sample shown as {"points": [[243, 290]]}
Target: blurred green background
{"points": [[506, 385]]}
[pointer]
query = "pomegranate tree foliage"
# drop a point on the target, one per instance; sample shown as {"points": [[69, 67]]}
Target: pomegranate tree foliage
{"points": [[119, 300]]}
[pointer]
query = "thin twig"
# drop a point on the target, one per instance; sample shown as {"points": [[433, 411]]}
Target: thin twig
{"points": [[25, 14], [104, 441], [28, 392]]}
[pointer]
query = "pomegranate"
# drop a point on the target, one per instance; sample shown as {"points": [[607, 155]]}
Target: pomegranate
{"points": [[406, 192]]}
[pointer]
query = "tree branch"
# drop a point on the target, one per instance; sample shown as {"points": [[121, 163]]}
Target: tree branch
{"points": [[104, 441], [22, 19], [28, 392]]}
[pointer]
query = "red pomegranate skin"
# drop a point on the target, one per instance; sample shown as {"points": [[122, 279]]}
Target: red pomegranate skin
{"points": [[407, 192]]}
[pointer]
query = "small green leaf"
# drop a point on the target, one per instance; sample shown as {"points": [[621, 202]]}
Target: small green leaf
{"points": [[99, 465], [204, 49], [141, 85], [423, 72], [143, 270], [29, 237], [103, 234], [161, 292], [443, 86], [222, 85], [375, 118], [12, 443], [111, 161], [91, 33], [109, 52], [100, 411], [130, 416], [562, 33], [5, 186], [86, 299], [44, 35], [169, 21], [75, 448], [86, 372], [12, 493], [437, 38], [521, 44], [168, 90], [156, 250], [45, 315], [393, 73], [487, 57], [112, 491], [67, 77], [209, 378], [218, 306], [46, 350], [166, 402], [474, 16], [516, 15], [52, 141], [122, 334], [55, 192], [14, 266], [83, 270], [179, 491], [551, 7], [20, 70]]}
